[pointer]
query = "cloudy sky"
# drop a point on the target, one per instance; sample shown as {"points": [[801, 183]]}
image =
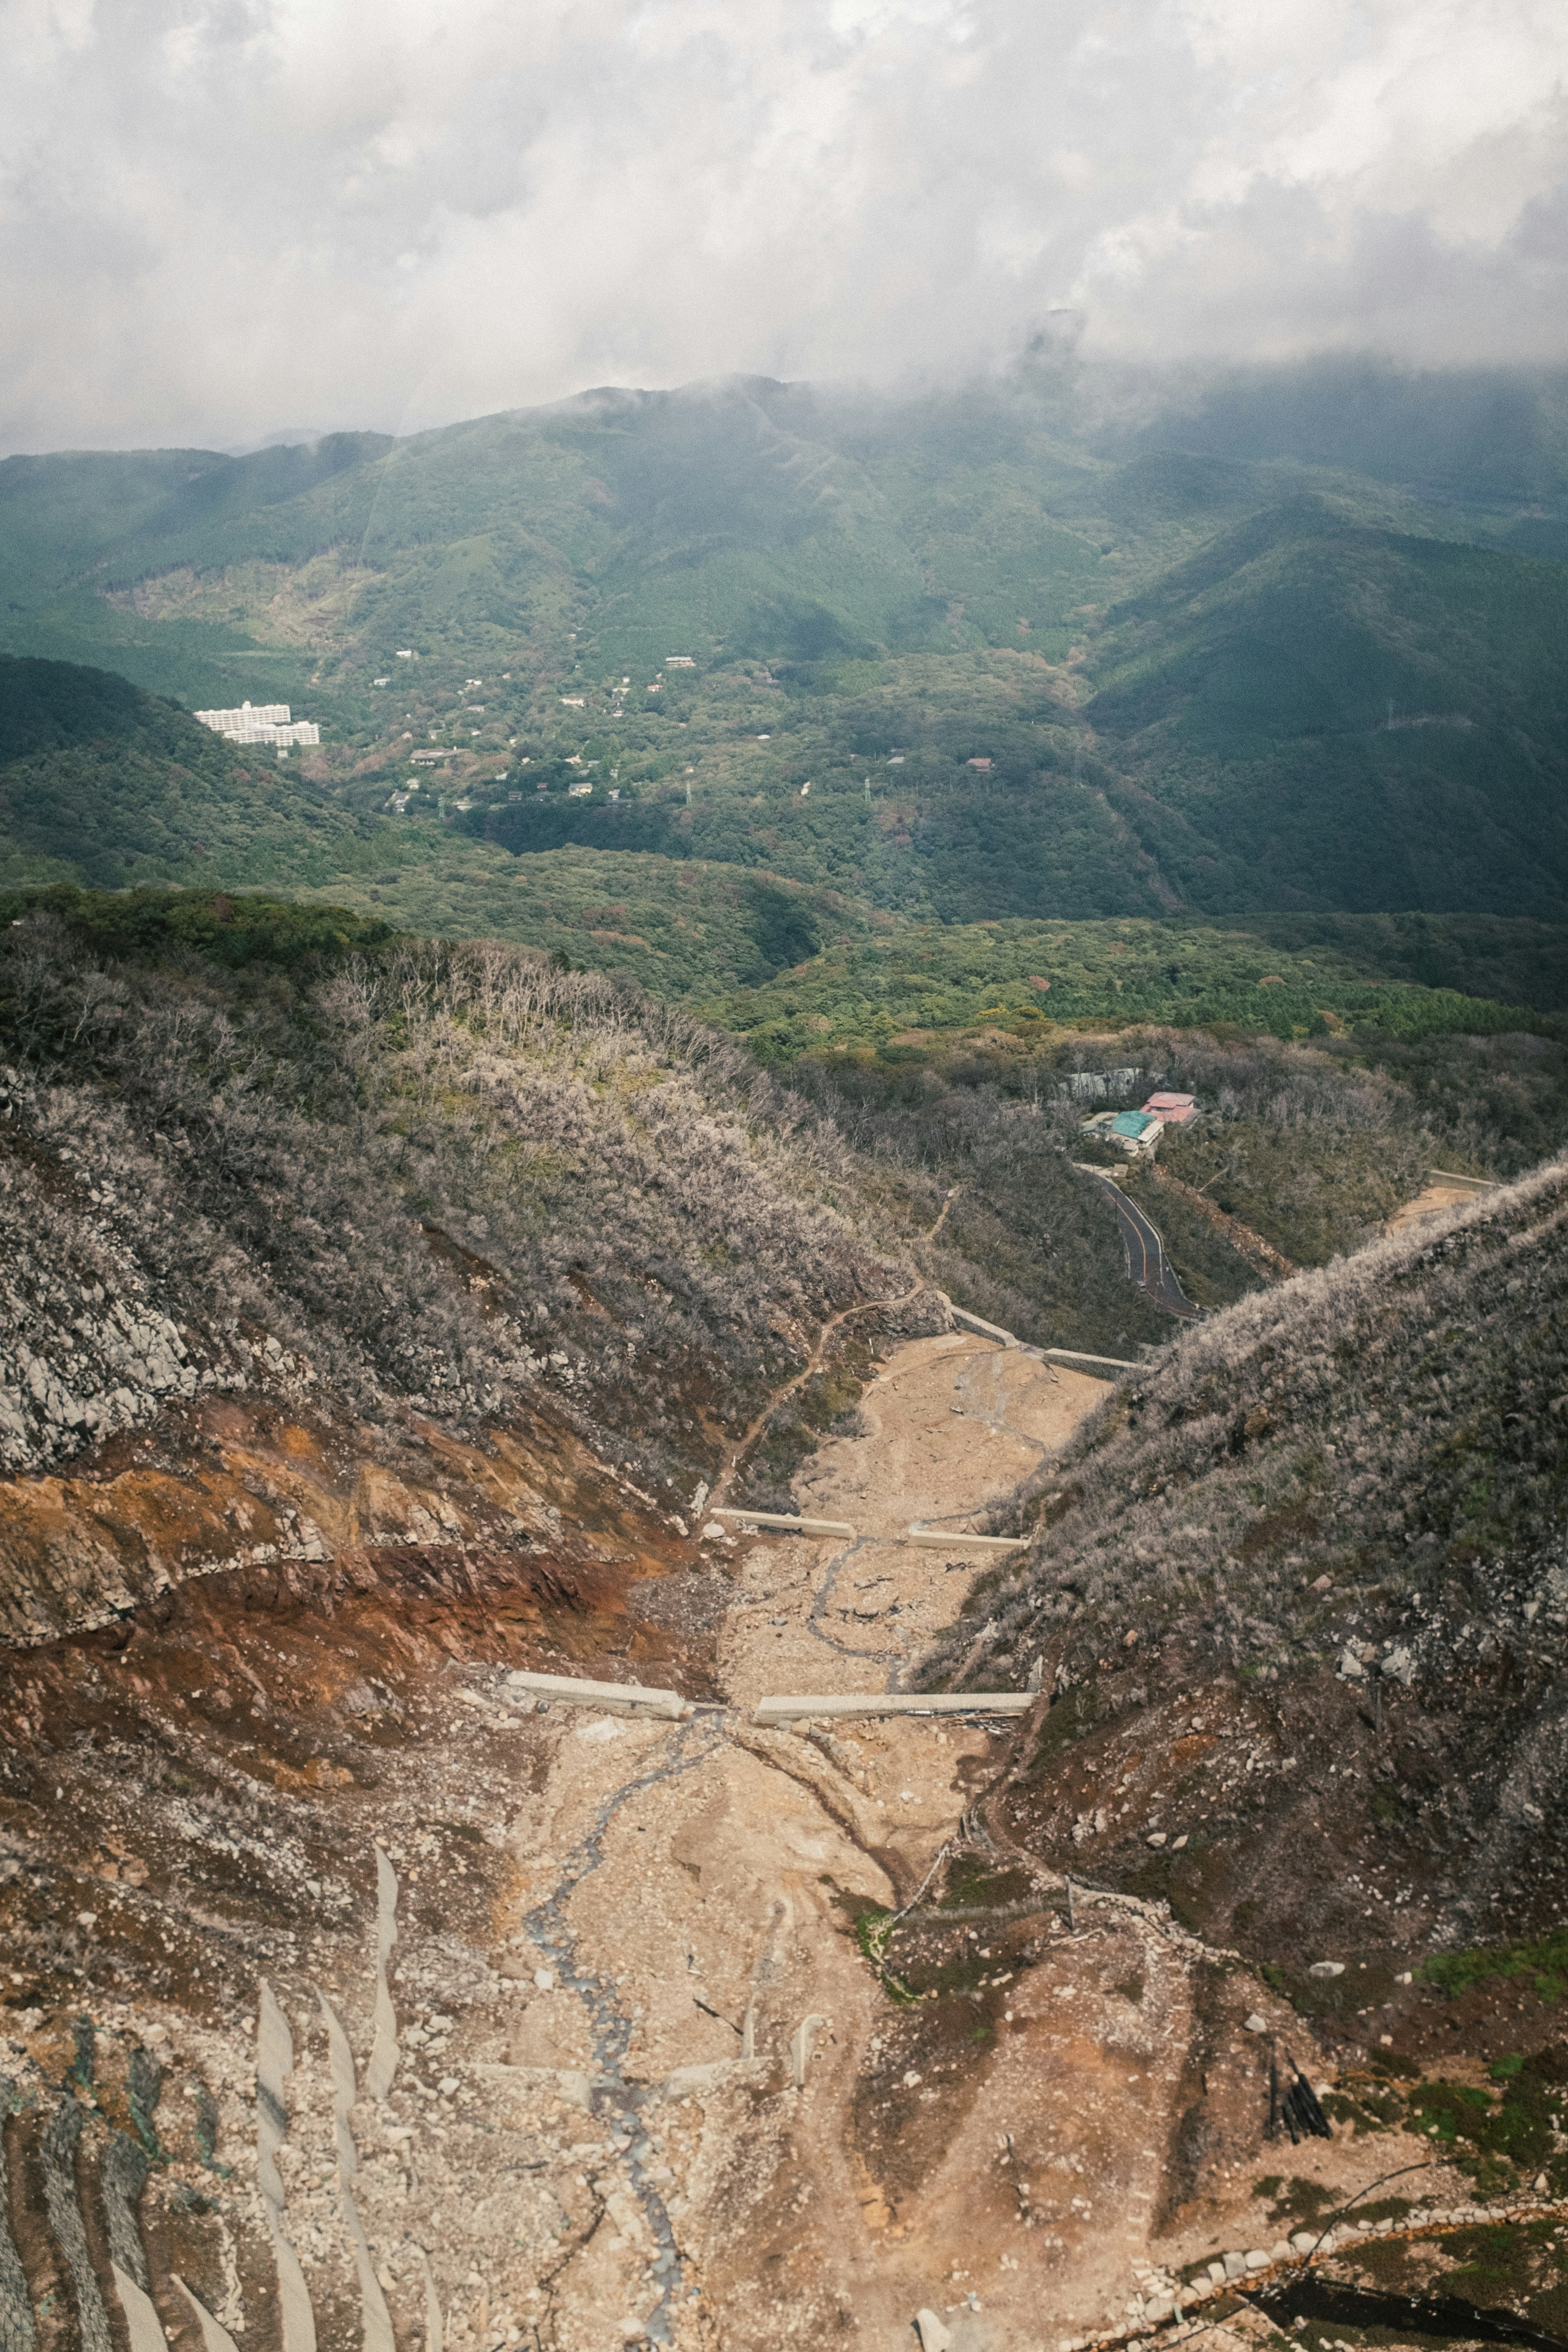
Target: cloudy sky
{"points": [[220, 217]]}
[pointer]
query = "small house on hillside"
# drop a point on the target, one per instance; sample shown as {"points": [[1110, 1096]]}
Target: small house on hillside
{"points": [[1173, 1110]]}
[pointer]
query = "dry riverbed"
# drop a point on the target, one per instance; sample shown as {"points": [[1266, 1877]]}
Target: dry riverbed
{"points": [[666, 2067]]}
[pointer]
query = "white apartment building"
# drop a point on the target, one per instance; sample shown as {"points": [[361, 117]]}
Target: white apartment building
{"points": [[259, 722]]}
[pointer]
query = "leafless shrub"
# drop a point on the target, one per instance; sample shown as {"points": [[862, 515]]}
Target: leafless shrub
{"points": [[1385, 1423], [441, 1178]]}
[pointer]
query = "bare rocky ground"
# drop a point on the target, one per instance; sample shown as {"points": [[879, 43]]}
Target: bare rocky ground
{"points": [[1433, 1201], [667, 2067]]}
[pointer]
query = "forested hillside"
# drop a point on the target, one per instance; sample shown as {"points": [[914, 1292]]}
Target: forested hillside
{"points": [[103, 783], [1314, 695], [1042, 650]]}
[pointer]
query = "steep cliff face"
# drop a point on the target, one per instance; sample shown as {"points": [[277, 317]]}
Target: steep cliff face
{"points": [[89, 1345], [1331, 1527]]}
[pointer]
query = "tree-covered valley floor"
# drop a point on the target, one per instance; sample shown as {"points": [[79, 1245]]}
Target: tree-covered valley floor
{"points": [[379, 1319]]}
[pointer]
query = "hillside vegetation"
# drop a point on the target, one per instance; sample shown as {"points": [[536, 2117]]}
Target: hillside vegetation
{"points": [[1196, 682], [104, 784], [905, 990], [1311, 693], [1368, 1464], [398, 1176], [1310, 1144]]}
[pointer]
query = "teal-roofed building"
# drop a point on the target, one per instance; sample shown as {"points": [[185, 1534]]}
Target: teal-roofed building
{"points": [[1136, 1132]]}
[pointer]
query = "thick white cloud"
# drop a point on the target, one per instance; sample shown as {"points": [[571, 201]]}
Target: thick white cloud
{"points": [[219, 216]]}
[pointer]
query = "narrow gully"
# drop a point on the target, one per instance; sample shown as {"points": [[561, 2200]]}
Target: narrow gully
{"points": [[610, 2029]]}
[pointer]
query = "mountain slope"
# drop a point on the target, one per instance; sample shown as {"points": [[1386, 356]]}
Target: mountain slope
{"points": [[1329, 701], [436, 1181], [1031, 659], [1366, 1464], [105, 784], [374, 1318]]}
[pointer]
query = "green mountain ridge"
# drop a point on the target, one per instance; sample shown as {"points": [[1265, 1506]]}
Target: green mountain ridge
{"points": [[1320, 695], [1010, 653]]}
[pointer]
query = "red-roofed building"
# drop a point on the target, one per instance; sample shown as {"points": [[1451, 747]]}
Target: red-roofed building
{"points": [[1173, 1110]]}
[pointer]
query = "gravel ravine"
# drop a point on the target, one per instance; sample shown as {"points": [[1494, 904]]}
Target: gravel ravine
{"points": [[649, 2086]]}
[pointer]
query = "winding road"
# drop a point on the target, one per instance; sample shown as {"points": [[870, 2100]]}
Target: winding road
{"points": [[1146, 1261]]}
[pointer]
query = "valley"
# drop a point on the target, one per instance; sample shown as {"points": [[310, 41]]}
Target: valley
{"points": [[655, 2080], [632, 1076], [997, 655], [377, 1994]]}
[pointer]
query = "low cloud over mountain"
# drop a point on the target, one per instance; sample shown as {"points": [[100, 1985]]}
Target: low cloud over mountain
{"points": [[210, 218]]}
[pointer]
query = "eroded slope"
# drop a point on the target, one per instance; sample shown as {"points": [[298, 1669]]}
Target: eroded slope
{"points": [[1302, 1600]]}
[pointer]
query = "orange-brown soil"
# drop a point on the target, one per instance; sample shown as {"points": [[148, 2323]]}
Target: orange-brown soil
{"points": [[666, 2067]]}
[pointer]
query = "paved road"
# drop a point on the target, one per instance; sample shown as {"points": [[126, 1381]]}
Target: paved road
{"points": [[1146, 1260]]}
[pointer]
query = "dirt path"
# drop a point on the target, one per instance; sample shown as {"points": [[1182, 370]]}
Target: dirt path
{"points": [[813, 1364], [818, 1356], [1435, 1198]]}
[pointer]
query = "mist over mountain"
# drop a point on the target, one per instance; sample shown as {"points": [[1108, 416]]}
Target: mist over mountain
{"points": [[402, 223], [1273, 642]]}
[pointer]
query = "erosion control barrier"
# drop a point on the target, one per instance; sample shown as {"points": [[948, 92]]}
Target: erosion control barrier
{"points": [[616, 1699], [1077, 1356], [787, 1526], [1470, 1184], [978, 1323], [936, 1540], [776, 1711], [1049, 1355]]}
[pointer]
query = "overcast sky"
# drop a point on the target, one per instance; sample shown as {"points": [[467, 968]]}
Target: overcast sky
{"points": [[220, 217]]}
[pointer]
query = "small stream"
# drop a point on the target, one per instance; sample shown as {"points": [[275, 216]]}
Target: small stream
{"points": [[615, 2100], [610, 2029]]}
